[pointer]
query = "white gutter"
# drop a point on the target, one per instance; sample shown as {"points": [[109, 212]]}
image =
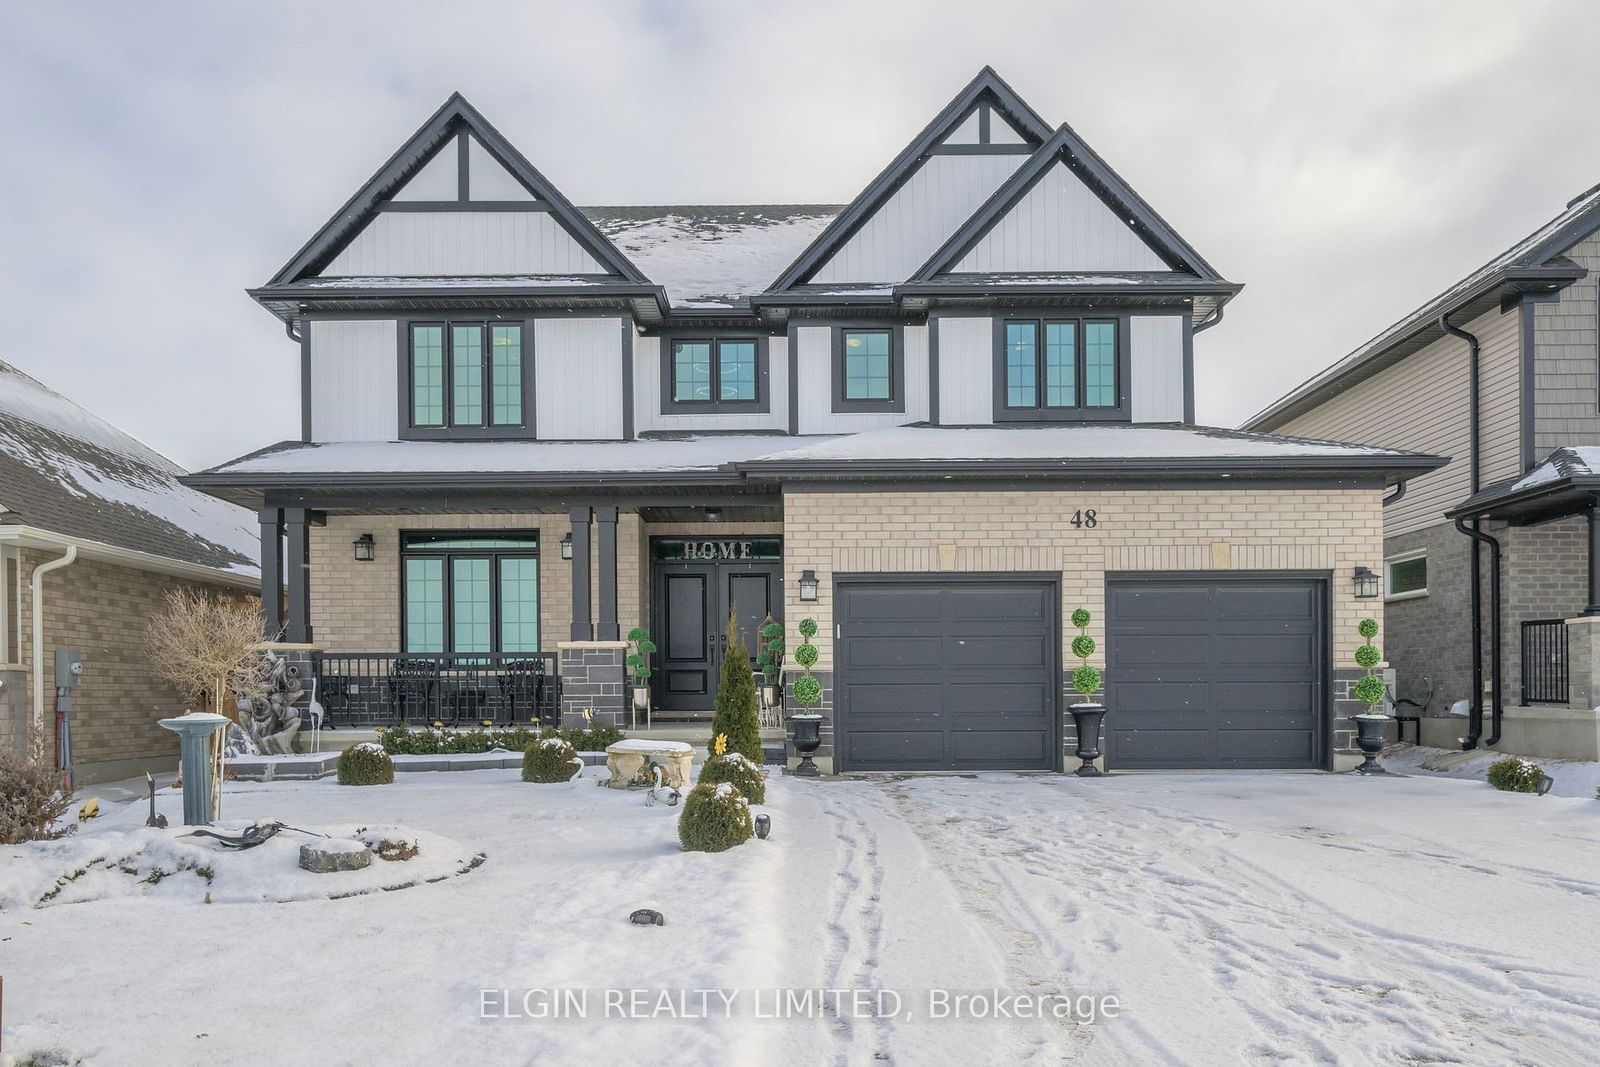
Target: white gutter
{"points": [[38, 644], [35, 537]]}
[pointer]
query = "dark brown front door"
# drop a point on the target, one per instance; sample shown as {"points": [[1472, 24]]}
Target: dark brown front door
{"points": [[689, 613]]}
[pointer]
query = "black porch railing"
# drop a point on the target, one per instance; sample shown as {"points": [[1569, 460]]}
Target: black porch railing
{"points": [[1544, 661], [463, 689]]}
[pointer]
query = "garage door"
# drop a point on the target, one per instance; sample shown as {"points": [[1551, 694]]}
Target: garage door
{"points": [[949, 673], [1209, 672]]}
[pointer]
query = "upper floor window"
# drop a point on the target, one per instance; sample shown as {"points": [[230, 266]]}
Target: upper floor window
{"points": [[714, 374], [466, 375], [869, 370], [1058, 368]]}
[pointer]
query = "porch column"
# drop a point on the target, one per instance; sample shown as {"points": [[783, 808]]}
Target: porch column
{"points": [[605, 627], [271, 572], [1594, 559], [582, 628], [297, 537]]}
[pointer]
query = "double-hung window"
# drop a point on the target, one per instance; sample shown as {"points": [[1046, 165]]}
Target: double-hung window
{"points": [[869, 370], [470, 592], [466, 375], [1058, 368]]}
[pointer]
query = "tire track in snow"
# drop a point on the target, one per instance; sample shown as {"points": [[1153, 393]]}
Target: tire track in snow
{"points": [[855, 932]]}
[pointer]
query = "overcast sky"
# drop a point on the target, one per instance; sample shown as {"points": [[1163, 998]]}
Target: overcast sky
{"points": [[1345, 161]]}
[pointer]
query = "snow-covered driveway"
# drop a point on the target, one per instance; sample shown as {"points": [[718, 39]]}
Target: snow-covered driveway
{"points": [[1235, 918]]}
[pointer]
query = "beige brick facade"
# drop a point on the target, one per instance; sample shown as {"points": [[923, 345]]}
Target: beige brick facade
{"points": [[104, 611], [1135, 530]]}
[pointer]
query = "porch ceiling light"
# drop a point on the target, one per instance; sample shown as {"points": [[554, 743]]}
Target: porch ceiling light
{"points": [[1366, 584], [713, 514], [808, 585], [366, 548], [566, 546]]}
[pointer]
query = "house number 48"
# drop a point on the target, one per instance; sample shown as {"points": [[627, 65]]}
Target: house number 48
{"points": [[1085, 518]]}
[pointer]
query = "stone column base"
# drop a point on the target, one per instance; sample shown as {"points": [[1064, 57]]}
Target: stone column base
{"points": [[592, 679]]}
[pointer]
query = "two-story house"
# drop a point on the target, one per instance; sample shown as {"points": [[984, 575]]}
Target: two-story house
{"points": [[1492, 564], [936, 420]]}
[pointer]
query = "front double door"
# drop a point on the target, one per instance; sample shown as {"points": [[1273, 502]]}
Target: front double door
{"points": [[689, 615]]}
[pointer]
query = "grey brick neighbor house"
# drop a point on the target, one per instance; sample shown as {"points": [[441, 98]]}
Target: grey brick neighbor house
{"points": [[73, 487], [1501, 372], [936, 420]]}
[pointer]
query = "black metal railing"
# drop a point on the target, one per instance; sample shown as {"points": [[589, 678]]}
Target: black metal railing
{"points": [[462, 689], [1544, 661]]}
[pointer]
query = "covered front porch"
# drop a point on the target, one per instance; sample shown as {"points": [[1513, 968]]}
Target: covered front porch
{"points": [[487, 613]]}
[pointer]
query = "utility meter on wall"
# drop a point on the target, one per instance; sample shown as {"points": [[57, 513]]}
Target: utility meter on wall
{"points": [[69, 669]]}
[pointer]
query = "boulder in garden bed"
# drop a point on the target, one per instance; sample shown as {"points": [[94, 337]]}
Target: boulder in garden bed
{"points": [[334, 854]]}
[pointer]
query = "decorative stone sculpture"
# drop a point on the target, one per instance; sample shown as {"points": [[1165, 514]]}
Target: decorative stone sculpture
{"points": [[269, 713]]}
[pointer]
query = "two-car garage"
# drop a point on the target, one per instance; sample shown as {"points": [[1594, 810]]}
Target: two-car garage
{"points": [[962, 672]]}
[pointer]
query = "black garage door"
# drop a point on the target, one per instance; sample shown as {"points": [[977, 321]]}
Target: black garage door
{"points": [[948, 673], [1205, 671]]}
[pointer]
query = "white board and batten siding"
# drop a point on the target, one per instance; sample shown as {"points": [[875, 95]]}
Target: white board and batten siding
{"points": [[922, 214], [578, 379], [647, 406], [1422, 404], [1060, 225], [470, 243], [354, 380], [814, 356], [966, 369], [1155, 351]]}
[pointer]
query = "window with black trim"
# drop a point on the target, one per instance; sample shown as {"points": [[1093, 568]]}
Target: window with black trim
{"points": [[470, 592], [868, 369], [1406, 575], [714, 371], [1059, 368], [467, 375]]}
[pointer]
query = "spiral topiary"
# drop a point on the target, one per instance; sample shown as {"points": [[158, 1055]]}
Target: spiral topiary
{"points": [[742, 773], [1370, 690], [365, 764], [548, 761], [715, 818]]}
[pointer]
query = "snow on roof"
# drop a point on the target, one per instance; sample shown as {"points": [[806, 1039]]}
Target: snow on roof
{"points": [[1065, 442], [1528, 252], [69, 471], [712, 256], [688, 453], [1573, 461]]}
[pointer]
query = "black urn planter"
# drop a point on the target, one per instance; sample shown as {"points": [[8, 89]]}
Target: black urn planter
{"points": [[1370, 740], [807, 739], [1088, 717]]}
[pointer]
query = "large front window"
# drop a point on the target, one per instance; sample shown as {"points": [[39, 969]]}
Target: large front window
{"points": [[466, 375], [470, 592], [1060, 365]]}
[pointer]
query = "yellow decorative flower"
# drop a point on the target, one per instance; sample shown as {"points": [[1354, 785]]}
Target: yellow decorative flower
{"points": [[588, 715], [487, 722], [438, 724], [720, 745]]}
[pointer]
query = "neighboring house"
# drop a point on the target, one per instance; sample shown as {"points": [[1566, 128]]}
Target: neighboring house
{"points": [[936, 420], [1524, 455], [72, 484]]}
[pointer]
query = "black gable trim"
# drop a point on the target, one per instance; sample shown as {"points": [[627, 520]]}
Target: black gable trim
{"points": [[987, 86], [456, 115]]}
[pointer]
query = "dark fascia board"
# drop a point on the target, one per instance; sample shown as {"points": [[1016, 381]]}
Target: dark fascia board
{"points": [[1106, 183], [454, 297], [445, 481], [1073, 468], [841, 229], [947, 286], [1567, 495], [1410, 335], [454, 115]]}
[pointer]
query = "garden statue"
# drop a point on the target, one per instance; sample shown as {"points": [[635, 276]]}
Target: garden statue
{"points": [[268, 712]]}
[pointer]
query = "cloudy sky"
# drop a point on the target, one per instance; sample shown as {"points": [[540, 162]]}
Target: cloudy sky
{"points": [[1344, 160]]}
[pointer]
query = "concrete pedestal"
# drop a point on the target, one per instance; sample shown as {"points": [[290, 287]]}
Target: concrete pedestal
{"points": [[194, 757]]}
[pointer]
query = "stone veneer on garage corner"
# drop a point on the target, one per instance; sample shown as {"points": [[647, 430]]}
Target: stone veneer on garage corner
{"points": [[1288, 529]]}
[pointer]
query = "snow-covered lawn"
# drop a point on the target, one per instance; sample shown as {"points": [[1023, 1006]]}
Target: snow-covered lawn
{"points": [[1235, 918]]}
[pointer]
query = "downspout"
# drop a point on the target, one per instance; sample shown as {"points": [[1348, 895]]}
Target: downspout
{"points": [[38, 644], [1475, 728], [1209, 321], [1394, 497]]}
